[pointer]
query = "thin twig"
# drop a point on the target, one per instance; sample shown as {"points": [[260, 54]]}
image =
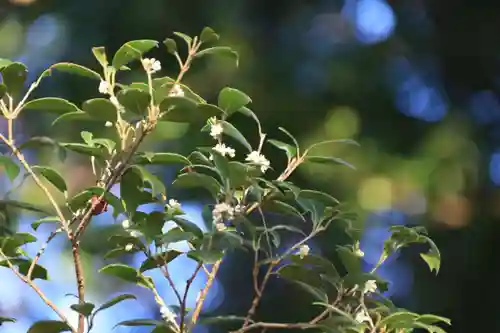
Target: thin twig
{"points": [[204, 292], [38, 291], [189, 282]]}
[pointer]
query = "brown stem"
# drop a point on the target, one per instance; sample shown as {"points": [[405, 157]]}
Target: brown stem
{"points": [[80, 282], [204, 292], [258, 294], [184, 297]]}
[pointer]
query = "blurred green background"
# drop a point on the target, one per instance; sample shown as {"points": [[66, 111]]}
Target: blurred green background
{"points": [[415, 82]]}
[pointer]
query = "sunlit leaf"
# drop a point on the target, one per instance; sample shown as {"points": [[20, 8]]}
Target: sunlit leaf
{"points": [[101, 109], [231, 100], [195, 179], [48, 219], [132, 50], [160, 158], [49, 326], [205, 256], [52, 176], [99, 53], [134, 100], [51, 104], [76, 69], [14, 76]]}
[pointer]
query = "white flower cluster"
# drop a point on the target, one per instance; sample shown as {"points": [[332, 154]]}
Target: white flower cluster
{"points": [[224, 211], [176, 91], [174, 205], [133, 233], [104, 87], [224, 150], [167, 315], [151, 65], [362, 316], [258, 159], [304, 251], [216, 128]]}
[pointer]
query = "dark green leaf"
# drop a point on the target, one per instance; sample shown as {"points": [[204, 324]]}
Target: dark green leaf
{"points": [[208, 35], [157, 186], [132, 190], [282, 207], [188, 226], [52, 176], [121, 271], [231, 100], [23, 265], [320, 264], [83, 308], [83, 149], [25, 206], [160, 158], [432, 319], [72, 116], [4, 63], [114, 301], [14, 76], [43, 141], [51, 104], [194, 179], [82, 199], [76, 69], [290, 150], [3, 90], [48, 219], [159, 260], [100, 55], [185, 37], [132, 50], [219, 50], [49, 326], [140, 322], [296, 272], [351, 261], [171, 45], [101, 109], [134, 100], [10, 167], [10, 243], [233, 132], [205, 256], [6, 320], [177, 235]]}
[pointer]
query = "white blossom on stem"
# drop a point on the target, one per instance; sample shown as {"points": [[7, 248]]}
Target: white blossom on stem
{"points": [[222, 211], [370, 287], [151, 65], [258, 159], [362, 316], [126, 224], [220, 226], [104, 87], [174, 204], [304, 251], [167, 315], [176, 91], [129, 247], [224, 150]]}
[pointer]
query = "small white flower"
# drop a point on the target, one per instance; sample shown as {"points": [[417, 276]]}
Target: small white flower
{"points": [[257, 158], [362, 316], [370, 286], [167, 315], [303, 251], [220, 226], [108, 124], [126, 224], [174, 204], [221, 211], [223, 150], [239, 209], [216, 130], [151, 65], [104, 87], [176, 91], [129, 247]]}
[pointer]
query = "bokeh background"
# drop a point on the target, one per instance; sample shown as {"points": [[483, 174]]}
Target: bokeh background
{"points": [[415, 82]]}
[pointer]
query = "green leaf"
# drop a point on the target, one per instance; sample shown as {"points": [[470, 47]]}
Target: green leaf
{"points": [[208, 35], [23, 265], [433, 257], [157, 186], [351, 261], [4, 63], [76, 69], [160, 158], [134, 100], [100, 55], [10, 243], [140, 322], [290, 136], [6, 319], [222, 166], [185, 37], [71, 116], [101, 109], [51, 104], [49, 326], [163, 85], [432, 319], [282, 207], [82, 199], [14, 76], [194, 179], [205, 320], [132, 190], [159, 260], [171, 45], [220, 51], [132, 50], [290, 150], [402, 319], [231, 100], [114, 301], [233, 132], [83, 308], [320, 264], [299, 273], [10, 167], [52, 176], [205, 256], [328, 160], [41, 142], [3, 90], [48, 219], [185, 110], [177, 235], [83, 149], [123, 272], [188, 226]]}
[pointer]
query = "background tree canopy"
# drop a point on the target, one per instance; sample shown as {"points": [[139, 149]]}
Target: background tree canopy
{"points": [[415, 82]]}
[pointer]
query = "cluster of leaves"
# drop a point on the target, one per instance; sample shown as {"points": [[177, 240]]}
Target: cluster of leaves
{"points": [[235, 179]]}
